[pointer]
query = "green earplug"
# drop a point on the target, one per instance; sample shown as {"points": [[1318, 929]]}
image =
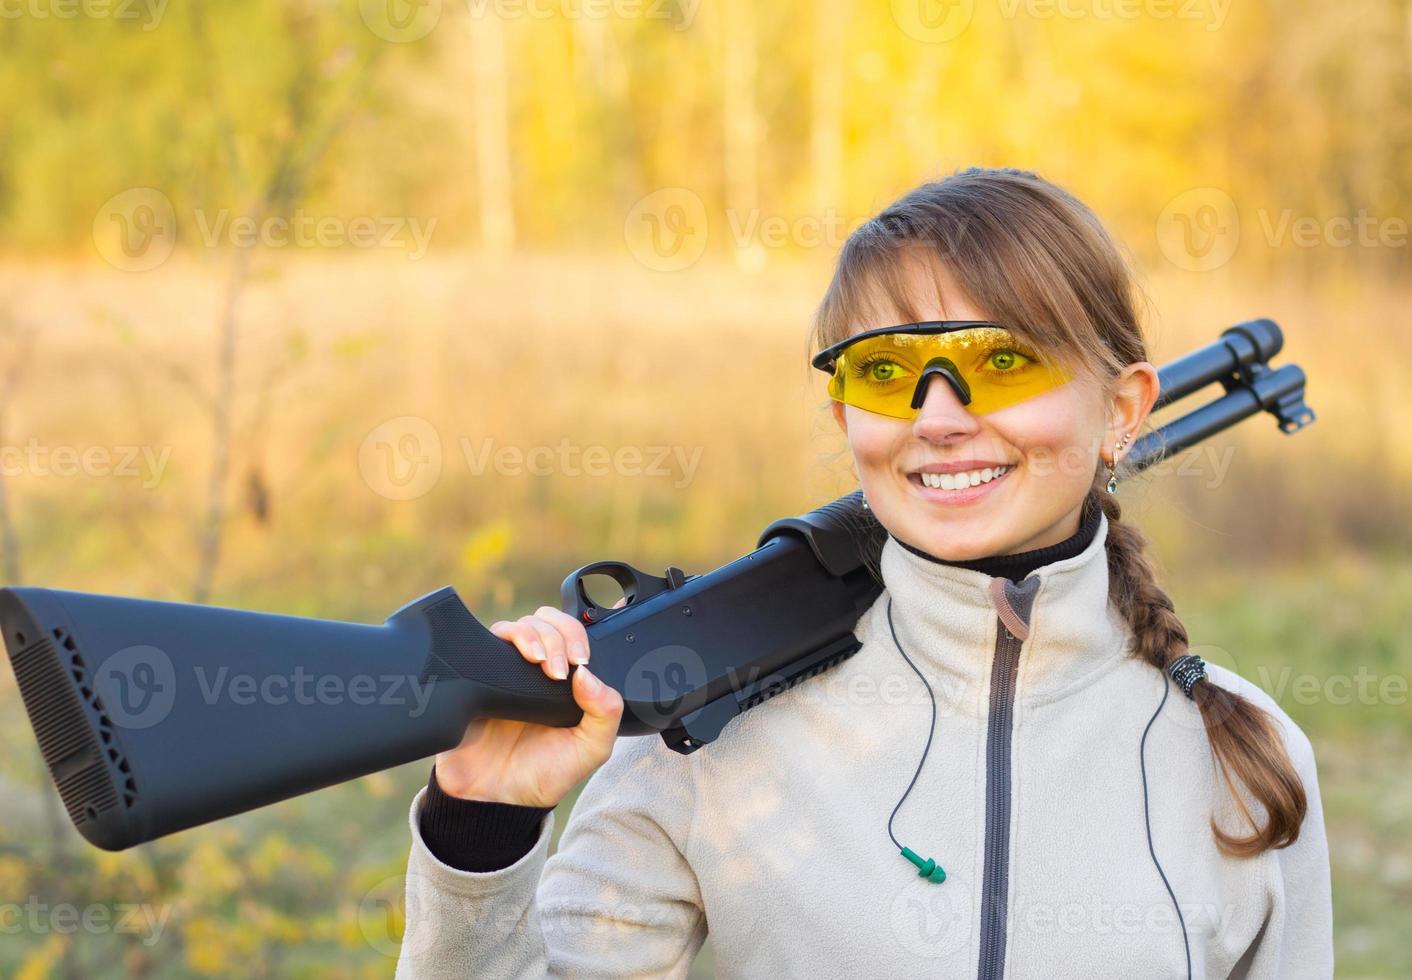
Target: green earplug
{"points": [[928, 868]]}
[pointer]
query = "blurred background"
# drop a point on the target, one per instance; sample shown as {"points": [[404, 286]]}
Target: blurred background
{"points": [[313, 307]]}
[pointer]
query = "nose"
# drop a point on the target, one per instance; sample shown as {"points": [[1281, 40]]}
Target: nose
{"points": [[942, 416], [946, 368]]}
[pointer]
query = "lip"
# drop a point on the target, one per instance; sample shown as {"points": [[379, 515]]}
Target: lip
{"points": [[957, 497]]}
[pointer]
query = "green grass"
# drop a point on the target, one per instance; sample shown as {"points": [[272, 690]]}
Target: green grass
{"points": [[1331, 644]]}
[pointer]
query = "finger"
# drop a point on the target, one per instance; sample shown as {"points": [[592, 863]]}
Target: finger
{"points": [[557, 666], [574, 633], [602, 712], [525, 637]]}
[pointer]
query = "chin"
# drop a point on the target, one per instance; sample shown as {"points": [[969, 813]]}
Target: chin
{"points": [[950, 547]]}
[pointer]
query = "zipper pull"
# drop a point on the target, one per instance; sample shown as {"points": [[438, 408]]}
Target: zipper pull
{"points": [[1002, 590]]}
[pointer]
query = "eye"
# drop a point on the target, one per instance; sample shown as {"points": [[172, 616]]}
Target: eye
{"points": [[878, 368], [1007, 361]]}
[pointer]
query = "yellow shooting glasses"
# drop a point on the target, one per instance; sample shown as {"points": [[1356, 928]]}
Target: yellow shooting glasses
{"points": [[887, 370]]}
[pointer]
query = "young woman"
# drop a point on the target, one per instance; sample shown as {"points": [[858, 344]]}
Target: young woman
{"points": [[1022, 772]]}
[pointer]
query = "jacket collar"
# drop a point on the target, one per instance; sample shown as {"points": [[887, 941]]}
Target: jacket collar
{"points": [[948, 618]]}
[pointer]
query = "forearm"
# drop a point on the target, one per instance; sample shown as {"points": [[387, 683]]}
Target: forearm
{"points": [[619, 897], [472, 924]]}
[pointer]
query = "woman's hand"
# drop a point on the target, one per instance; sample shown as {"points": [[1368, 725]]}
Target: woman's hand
{"points": [[502, 761]]}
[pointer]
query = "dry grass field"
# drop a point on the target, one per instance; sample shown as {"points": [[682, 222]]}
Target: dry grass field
{"points": [[399, 425]]}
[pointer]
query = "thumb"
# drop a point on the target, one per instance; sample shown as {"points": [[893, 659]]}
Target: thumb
{"points": [[602, 707]]}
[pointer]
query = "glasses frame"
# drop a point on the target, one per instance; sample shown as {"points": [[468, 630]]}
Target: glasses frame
{"points": [[827, 359]]}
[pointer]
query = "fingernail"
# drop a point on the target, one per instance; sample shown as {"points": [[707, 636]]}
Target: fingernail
{"points": [[578, 652], [540, 653], [590, 682], [559, 669]]}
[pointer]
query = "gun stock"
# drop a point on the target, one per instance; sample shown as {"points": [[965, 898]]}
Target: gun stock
{"points": [[157, 716]]}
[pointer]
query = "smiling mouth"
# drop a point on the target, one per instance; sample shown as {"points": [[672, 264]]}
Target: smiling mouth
{"points": [[958, 481]]}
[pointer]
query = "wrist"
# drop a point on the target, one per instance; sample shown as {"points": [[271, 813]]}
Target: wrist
{"points": [[462, 787]]}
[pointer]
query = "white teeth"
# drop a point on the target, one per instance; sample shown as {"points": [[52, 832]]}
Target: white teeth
{"points": [[961, 481]]}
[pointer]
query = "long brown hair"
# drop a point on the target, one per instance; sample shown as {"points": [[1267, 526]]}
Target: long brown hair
{"points": [[1035, 258]]}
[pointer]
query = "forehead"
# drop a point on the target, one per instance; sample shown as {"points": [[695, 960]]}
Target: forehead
{"points": [[912, 286]]}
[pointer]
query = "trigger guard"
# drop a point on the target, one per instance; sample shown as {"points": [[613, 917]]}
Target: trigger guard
{"points": [[636, 584], [581, 607]]}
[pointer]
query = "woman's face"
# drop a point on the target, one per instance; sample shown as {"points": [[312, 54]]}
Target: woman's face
{"points": [[1049, 444]]}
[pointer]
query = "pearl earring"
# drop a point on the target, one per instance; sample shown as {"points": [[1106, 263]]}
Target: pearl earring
{"points": [[1113, 465]]}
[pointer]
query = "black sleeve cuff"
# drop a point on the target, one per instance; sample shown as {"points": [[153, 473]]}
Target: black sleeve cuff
{"points": [[474, 835]]}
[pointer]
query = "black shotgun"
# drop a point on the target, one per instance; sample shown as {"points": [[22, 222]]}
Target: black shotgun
{"points": [[158, 716]]}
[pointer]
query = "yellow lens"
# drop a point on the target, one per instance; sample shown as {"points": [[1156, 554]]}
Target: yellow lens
{"points": [[991, 366]]}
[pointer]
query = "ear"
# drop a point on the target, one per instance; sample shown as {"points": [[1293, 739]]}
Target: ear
{"points": [[839, 416], [1135, 393]]}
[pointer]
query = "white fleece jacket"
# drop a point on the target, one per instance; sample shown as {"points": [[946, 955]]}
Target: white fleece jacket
{"points": [[775, 836]]}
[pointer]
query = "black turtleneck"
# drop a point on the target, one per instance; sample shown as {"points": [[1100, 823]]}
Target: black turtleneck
{"points": [[1016, 567]]}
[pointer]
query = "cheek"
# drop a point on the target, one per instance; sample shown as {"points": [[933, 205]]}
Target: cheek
{"points": [[1053, 433], [872, 437]]}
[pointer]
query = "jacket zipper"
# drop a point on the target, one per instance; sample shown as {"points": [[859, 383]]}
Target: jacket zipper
{"points": [[999, 726]]}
